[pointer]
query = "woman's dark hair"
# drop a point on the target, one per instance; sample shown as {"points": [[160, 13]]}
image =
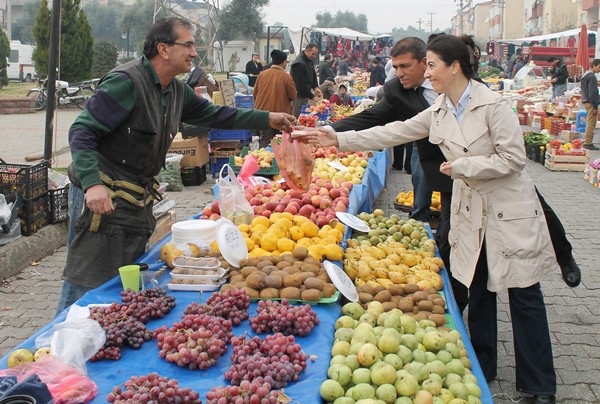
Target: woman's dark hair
{"points": [[164, 31], [451, 48]]}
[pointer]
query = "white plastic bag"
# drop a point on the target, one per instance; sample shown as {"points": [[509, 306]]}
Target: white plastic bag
{"points": [[232, 200], [5, 212], [74, 341]]}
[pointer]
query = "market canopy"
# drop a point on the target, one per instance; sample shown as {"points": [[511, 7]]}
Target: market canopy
{"points": [[301, 36], [545, 37]]}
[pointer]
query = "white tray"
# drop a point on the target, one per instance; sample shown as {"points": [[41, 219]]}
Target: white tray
{"points": [[220, 273], [206, 263], [193, 287]]}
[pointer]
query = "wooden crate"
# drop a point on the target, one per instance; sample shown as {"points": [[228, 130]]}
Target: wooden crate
{"points": [[554, 165]]}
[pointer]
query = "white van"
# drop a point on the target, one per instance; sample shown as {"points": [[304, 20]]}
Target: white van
{"points": [[20, 62]]}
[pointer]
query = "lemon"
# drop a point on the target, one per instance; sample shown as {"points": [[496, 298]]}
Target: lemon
{"points": [[285, 244], [310, 229]]}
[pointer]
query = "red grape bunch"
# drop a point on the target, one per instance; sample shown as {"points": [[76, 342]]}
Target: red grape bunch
{"points": [[120, 329], [278, 359], [230, 304], [152, 389], [254, 392], [148, 304], [283, 317], [196, 341]]}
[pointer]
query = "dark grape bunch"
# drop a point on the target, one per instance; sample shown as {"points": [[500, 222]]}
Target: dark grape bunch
{"points": [[255, 392], [230, 304], [147, 304], [278, 359], [152, 388], [283, 317], [121, 330], [196, 341]]}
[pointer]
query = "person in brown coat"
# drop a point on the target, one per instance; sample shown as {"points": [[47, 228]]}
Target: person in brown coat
{"points": [[274, 91]]}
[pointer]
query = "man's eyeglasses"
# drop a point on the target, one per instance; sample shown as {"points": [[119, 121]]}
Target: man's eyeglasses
{"points": [[189, 45]]}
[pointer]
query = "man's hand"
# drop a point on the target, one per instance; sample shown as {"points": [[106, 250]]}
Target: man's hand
{"points": [[98, 200], [281, 121]]}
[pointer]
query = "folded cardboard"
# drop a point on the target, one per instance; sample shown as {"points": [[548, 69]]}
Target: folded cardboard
{"points": [[163, 228], [194, 150]]}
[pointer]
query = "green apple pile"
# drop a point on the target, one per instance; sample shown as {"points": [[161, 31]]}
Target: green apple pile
{"points": [[383, 357], [411, 233]]}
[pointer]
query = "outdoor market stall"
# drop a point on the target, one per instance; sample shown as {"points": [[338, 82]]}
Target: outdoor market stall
{"points": [[107, 373]]}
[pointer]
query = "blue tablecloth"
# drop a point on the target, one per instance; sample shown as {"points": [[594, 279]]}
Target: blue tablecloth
{"points": [[108, 374]]}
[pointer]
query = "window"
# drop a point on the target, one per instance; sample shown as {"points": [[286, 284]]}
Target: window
{"points": [[14, 56]]}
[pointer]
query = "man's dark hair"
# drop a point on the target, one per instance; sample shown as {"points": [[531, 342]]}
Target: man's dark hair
{"points": [[431, 37], [412, 45], [310, 46], [164, 31], [552, 59], [328, 57], [595, 62]]}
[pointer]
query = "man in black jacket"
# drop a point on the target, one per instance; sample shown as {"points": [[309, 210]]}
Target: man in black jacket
{"points": [[304, 74], [326, 70], [559, 75]]}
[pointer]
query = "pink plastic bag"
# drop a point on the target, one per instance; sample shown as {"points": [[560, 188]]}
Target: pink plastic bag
{"points": [[295, 159], [66, 383]]}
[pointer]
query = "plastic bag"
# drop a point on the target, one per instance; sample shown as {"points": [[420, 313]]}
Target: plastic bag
{"points": [[74, 341], [5, 211], [66, 383], [232, 200], [171, 174], [295, 159]]}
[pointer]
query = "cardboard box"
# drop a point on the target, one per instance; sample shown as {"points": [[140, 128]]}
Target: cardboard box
{"points": [[194, 150], [163, 228]]}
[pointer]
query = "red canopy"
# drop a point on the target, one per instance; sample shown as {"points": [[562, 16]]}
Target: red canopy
{"points": [[583, 58]]}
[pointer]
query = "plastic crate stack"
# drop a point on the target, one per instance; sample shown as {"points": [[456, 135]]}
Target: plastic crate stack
{"points": [[244, 101], [31, 182], [225, 143]]}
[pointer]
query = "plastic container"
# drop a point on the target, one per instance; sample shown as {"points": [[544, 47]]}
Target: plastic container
{"points": [[30, 180], [59, 204], [193, 230], [581, 120]]}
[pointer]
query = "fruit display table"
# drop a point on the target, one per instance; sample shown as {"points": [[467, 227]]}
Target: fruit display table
{"points": [[317, 345]]}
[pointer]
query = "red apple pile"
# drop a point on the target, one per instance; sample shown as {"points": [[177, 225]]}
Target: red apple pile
{"points": [[320, 203]]}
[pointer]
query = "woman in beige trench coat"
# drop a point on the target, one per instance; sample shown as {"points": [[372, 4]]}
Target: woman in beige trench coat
{"points": [[499, 237]]}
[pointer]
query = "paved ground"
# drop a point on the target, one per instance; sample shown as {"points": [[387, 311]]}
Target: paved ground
{"points": [[28, 300]]}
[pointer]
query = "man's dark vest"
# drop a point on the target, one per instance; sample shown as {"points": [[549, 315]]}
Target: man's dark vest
{"points": [[140, 145]]}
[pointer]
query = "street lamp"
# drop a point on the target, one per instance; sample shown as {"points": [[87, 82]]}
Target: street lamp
{"points": [[125, 35]]}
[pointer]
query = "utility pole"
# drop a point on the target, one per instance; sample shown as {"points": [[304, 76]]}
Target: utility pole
{"points": [[420, 21], [431, 22]]}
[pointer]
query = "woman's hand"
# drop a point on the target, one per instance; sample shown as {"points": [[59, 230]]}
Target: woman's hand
{"points": [[281, 121], [322, 136], [446, 168]]}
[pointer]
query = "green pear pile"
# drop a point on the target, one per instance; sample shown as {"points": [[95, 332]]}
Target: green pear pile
{"points": [[381, 357]]}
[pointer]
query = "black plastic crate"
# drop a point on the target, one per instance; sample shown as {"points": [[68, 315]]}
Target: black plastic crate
{"points": [[35, 214], [191, 176], [30, 180], [59, 204]]}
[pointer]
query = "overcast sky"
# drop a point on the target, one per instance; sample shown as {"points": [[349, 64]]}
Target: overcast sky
{"points": [[382, 15]]}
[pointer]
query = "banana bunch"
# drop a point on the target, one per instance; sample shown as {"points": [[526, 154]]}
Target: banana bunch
{"points": [[342, 110]]}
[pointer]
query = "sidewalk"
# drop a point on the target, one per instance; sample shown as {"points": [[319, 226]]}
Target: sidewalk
{"points": [[28, 299]]}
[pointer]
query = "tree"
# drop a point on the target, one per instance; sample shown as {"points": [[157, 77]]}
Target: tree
{"points": [[4, 53], [76, 42], [104, 20], [342, 19], [21, 28], [241, 19], [137, 19], [105, 58]]}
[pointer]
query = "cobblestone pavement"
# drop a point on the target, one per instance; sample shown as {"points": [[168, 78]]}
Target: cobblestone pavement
{"points": [[28, 300]]}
